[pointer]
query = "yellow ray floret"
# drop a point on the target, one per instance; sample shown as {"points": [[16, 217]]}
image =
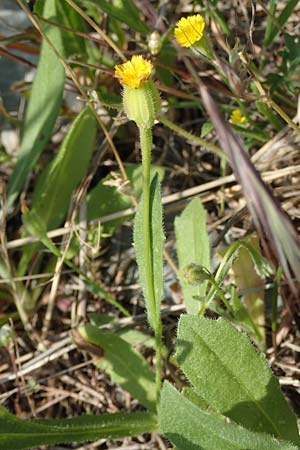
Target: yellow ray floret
{"points": [[135, 72], [237, 117], [189, 30]]}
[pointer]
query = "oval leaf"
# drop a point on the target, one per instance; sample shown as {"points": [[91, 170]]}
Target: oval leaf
{"points": [[226, 370]]}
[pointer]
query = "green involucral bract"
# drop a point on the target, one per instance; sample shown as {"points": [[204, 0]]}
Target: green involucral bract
{"points": [[142, 104], [195, 274]]}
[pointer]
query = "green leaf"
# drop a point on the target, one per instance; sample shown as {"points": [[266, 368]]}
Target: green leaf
{"points": [[135, 338], [261, 265], [124, 11], [206, 128], [54, 188], [55, 185], [71, 43], [17, 434], [125, 365], [269, 24], [192, 247], [273, 30], [190, 428], [248, 281], [235, 380], [46, 94], [272, 118], [156, 249]]}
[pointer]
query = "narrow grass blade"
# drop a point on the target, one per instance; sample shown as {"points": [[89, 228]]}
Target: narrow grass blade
{"points": [[125, 11], [54, 187], [270, 19], [266, 211], [274, 26], [46, 94]]}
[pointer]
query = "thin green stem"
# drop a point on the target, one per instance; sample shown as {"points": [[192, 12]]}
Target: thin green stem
{"points": [[221, 294], [178, 130], [146, 144]]}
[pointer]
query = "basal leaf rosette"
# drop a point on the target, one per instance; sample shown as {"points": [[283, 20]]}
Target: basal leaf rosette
{"points": [[140, 96]]}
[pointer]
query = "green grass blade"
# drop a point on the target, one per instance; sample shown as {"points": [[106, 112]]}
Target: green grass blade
{"points": [[192, 247], [54, 187], [226, 370], [46, 94], [190, 428], [125, 11], [270, 20], [17, 434], [274, 27], [268, 215], [125, 365]]}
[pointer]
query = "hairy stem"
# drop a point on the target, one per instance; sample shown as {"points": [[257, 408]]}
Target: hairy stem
{"points": [[186, 134]]}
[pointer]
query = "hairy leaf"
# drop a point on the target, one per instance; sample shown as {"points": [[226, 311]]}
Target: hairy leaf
{"points": [[156, 248], [190, 428], [226, 370], [17, 434]]}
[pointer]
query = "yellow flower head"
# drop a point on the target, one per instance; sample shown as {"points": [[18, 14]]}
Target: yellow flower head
{"points": [[236, 117], [134, 73], [189, 30]]}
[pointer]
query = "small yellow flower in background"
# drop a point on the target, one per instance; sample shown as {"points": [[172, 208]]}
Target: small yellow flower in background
{"points": [[236, 117], [135, 72], [189, 30]]}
